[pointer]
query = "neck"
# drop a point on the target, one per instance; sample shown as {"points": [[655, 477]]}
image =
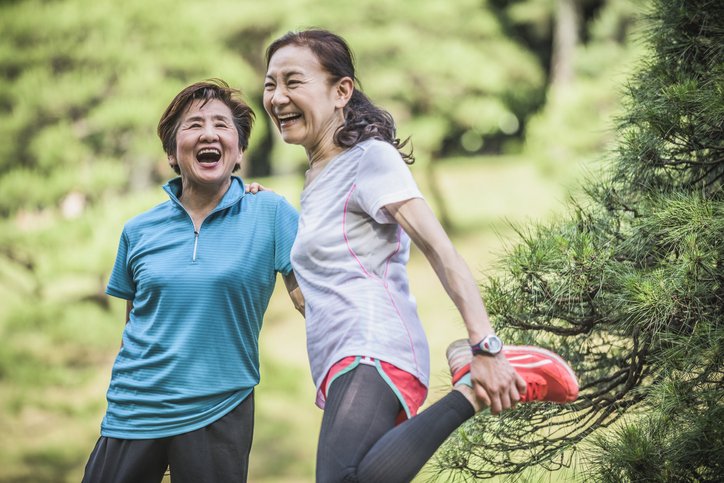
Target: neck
{"points": [[320, 155], [318, 160], [325, 148], [201, 199]]}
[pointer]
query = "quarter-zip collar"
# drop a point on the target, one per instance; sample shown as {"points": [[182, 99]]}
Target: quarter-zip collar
{"points": [[233, 194]]}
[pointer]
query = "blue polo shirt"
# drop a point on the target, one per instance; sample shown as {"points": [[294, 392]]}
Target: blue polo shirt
{"points": [[190, 349]]}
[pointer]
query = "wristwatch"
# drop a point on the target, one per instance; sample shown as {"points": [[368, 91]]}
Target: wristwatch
{"points": [[489, 346]]}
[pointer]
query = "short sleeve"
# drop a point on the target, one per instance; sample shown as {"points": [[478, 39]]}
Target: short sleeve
{"points": [[121, 283], [383, 178], [285, 231]]}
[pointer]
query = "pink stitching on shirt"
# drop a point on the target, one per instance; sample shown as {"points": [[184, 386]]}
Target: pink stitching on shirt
{"points": [[344, 233], [397, 249], [373, 277]]}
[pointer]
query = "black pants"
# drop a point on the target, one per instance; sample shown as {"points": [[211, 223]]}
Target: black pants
{"points": [[216, 453], [359, 441]]}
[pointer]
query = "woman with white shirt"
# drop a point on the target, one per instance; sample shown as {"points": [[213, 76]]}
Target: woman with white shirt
{"points": [[367, 349]]}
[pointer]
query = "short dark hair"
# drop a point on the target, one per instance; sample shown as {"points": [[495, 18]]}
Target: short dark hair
{"points": [[362, 119], [207, 90]]}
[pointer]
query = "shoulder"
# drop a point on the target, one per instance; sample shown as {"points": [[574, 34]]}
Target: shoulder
{"points": [[380, 157], [159, 213], [377, 148], [270, 202], [266, 198]]}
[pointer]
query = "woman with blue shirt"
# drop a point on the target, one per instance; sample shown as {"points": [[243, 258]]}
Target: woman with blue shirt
{"points": [[197, 272]]}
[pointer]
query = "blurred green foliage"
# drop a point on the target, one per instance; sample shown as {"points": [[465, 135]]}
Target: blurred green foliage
{"points": [[84, 82]]}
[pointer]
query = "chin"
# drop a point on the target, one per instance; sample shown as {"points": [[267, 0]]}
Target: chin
{"points": [[289, 139]]}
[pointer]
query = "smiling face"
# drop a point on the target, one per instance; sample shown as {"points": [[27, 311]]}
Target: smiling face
{"points": [[301, 100], [207, 145]]}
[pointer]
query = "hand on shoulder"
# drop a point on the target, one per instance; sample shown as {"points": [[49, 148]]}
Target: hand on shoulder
{"points": [[255, 187]]}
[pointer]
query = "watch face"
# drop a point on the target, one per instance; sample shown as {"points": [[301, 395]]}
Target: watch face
{"points": [[492, 344]]}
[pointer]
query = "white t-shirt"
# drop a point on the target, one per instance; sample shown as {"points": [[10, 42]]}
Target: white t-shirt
{"points": [[349, 258]]}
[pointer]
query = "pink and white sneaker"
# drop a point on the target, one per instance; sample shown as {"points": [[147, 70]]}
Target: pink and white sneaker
{"points": [[547, 375]]}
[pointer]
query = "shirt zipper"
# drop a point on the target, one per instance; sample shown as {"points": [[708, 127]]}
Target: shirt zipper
{"points": [[196, 233], [196, 244]]}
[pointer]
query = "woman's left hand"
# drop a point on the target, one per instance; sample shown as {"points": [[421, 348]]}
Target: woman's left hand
{"points": [[254, 188], [495, 382]]}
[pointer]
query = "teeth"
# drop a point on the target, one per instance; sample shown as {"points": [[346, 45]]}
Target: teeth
{"points": [[209, 155], [209, 151]]}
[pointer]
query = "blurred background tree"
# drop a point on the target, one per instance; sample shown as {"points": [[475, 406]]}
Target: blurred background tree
{"points": [[529, 85], [83, 81], [630, 287]]}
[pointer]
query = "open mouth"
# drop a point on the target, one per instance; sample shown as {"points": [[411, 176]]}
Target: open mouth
{"points": [[208, 155], [286, 119]]}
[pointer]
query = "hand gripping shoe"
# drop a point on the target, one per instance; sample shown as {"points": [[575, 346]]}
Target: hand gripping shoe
{"points": [[547, 376]]}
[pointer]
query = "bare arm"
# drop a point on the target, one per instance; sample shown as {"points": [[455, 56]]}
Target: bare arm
{"points": [[129, 306], [295, 293], [495, 382]]}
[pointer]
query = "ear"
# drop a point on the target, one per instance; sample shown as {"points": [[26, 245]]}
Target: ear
{"points": [[344, 90], [172, 161]]}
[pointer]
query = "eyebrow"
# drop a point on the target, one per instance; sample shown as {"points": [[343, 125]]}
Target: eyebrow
{"points": [[286, 74], [201, 118]]}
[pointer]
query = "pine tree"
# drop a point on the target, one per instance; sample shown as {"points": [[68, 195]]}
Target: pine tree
{"points": [[629, 288]]}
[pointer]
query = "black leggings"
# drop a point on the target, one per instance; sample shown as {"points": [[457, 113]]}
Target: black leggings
{"points": [[359, 441]]}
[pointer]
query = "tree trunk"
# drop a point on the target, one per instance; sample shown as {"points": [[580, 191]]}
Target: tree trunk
{"points": [[565, 39], [443, 212], [258, 162]]}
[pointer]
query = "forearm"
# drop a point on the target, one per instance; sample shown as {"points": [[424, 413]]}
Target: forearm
{"points": [[129, 307], [418, 221], [461, 287], [295, 293], [297, 300], [463, 290]]}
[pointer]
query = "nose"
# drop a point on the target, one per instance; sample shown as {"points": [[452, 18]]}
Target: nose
{"points": [[209, 132], [279, 96]]}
